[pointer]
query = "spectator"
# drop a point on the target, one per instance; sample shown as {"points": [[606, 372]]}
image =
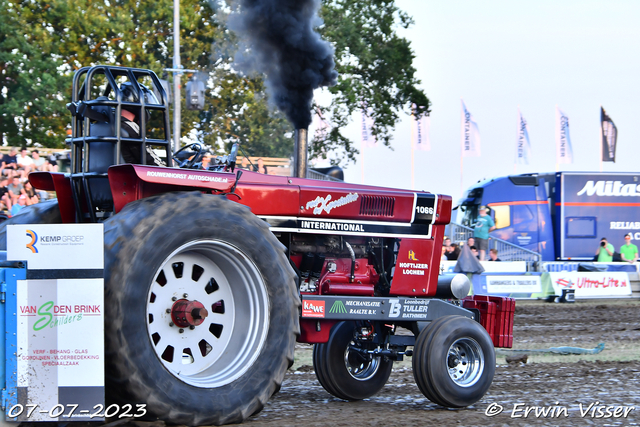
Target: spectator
{"points": [[447, 242], [260, 167], [39, 163], [25, 161], [22, 202], [5, 199], [30, 192], [206, 161], [15, 189], [53, 163], [628, 251], [245, 163], [484, 224], [471, 241], [605, 251], [10, 161], [453, 253], [493, 255]]}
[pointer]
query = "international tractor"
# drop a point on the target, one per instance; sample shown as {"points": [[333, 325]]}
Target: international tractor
{"points": [[211, 276]]}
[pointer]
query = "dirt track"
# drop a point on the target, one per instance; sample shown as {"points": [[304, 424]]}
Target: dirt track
{"points": [[550, 382]]}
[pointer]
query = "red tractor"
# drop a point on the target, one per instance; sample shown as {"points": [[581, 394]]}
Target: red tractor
{"points": [[212, 275]]}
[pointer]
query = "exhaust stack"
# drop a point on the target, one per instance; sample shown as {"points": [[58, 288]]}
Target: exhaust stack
{"points": [[300, 154]]}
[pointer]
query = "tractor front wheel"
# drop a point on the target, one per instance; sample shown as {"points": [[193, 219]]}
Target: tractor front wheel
{"points": [[454, 361], [346, 370]]}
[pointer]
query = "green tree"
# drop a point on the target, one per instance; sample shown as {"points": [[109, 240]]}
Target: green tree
{"points": [[32, 108], [375, 69]]}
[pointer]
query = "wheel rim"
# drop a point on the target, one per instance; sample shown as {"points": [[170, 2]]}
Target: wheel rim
{"points": [[465, 362], [360, 366], [230, 287]]}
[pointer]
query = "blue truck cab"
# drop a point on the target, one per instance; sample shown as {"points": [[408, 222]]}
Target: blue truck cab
{"points": [[561, 215]]}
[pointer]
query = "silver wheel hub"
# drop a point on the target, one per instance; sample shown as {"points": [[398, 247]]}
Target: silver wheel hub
{"points": [[465, 362], [214, 349], [359, 365]]}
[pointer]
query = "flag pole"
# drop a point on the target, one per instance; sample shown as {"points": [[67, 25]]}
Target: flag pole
{"points": [[362, 162], [600, 138], [413, 171]]}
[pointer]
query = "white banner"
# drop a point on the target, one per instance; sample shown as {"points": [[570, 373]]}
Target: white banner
{"points": [[523, 146], [592, 284], [366, 124], [470, 134], [513, 284], [56, 246], [420, 133], [564, 152]]}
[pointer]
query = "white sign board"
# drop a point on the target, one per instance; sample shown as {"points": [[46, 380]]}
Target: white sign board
{"points": [[56, 246], [60, 347], [592, 284], [513, 284], [59, 322]]}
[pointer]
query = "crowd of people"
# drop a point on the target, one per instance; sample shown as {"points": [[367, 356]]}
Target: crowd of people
{"points": [[451, 251], [605, 253], [16, 191]]}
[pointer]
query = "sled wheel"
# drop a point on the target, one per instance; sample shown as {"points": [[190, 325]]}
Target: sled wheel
{"points": [[46, 212], [201, 309], [347, 373], [454, 361]]}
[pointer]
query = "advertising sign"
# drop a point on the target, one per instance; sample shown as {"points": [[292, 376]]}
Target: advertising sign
{"points": [[56, 246], [593, 206], [60, 349], [513, 285], [59, 323], [591, 284]]}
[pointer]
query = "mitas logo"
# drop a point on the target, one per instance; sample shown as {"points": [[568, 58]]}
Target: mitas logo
{"points": [[610, 188], [313, 308], [34, 239]]}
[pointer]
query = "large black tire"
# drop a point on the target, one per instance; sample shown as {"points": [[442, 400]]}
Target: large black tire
{"points": [[225, 369], [348, 374], [454, 361], [46, 212]]}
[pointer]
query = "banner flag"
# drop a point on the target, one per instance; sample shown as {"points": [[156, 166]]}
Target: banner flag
{"points": [[564, 152], [523, 147], [470, 134], [420, 132], [366, 124], [609, 137]]}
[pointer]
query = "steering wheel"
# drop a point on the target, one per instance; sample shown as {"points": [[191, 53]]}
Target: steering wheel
{"points": [[189, 155]]}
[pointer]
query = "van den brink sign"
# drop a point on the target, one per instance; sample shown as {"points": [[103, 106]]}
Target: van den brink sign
{"points": [[60, 320]]}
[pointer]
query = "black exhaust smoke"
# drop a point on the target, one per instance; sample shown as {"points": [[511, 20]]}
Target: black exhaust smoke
{"points": [[280, 42]]}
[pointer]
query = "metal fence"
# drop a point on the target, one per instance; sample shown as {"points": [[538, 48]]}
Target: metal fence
{"points": [[317, 175], [506, 251]]}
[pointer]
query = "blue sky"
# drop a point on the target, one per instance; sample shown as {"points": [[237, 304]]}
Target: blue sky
{"points": [[501, 55]]}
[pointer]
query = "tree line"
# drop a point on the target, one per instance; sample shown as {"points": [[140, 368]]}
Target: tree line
{"points": [[43, 42]]}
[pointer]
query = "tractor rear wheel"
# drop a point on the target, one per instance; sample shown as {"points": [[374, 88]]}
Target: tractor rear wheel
{"points": [[454, 361], [346, 372], [201, 309]]}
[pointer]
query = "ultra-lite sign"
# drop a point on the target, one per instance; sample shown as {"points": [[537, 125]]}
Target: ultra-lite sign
{"points": [[592, 284], [59, 317]]}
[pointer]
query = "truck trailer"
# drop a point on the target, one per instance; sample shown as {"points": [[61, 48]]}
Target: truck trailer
{"points": [[563, 215]]}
